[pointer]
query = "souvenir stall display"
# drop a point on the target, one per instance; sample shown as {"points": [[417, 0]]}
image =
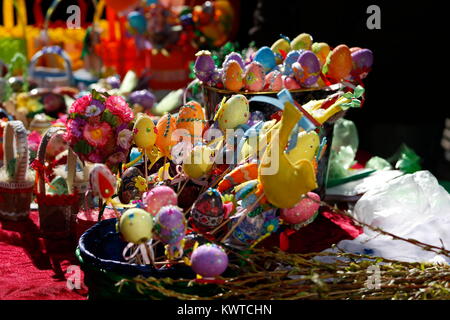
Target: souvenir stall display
{"points": [[210, 191]]}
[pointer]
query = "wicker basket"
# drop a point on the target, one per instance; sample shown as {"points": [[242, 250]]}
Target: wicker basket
{"points": [[16, 191], [55, 211]]}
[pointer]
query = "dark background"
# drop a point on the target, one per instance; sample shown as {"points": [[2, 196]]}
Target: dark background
{"points": [[406, 99]]}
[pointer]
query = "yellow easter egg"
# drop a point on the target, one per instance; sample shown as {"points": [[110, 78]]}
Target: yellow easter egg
{"points": [[302, 42], [321, 50], [198, 162], [233, 112], [136, 225], [191, 118], [278, 46], [144, 132], [165, 127], [306, 148]]}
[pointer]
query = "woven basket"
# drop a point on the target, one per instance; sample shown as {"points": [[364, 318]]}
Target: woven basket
{"points": [[16, 193], [100, 254], [55, 211]]}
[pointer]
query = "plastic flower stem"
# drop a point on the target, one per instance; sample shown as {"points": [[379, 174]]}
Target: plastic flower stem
{"points": [[241, 218]]}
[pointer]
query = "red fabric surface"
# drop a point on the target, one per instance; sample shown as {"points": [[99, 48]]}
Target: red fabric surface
{"points": [[34, 269]]}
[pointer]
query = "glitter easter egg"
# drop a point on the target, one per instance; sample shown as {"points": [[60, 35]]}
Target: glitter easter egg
{"points": [[136, 225], [254, 77], [208, 211], [303, 212], [159, 197], [232, 77], [236, 57], [204, 65], [170, 225], [306, 69], [274, 81], [209, 260]]}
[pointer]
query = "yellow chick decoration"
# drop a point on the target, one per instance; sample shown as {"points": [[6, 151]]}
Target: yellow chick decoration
{"points": [[144, 132], [306, 148], [285, 180]]}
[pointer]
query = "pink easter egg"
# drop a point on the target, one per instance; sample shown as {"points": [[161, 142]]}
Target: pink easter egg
{"points": [[274, 81], [159, 197], [290, 83], [303, 211]]}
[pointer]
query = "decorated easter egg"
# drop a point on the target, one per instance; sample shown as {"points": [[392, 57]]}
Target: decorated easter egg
{"points": [[302, 41], [266, 57], [304, 212], [209, 260], [339, 63], [144, 131], [362, 61], [136, 225], [165, 127], [306, 148], [274, 81], [143, 97], [252, 228], [192, 119], [233, 112], [254, 77], [236, 57], [198, 162], [56, 145], [281, 48], [208, 211], [306, 69], [170, 225], [321, 50], [102, 181], [137, 21], [159, 197], [232, 76], [128, 189], [290, 83], [204, 65], [291, 58]]}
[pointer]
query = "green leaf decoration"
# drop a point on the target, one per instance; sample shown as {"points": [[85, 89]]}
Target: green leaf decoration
{"points": [[11, 168], [82, 147], [107, 116], [97, 96], [348, 95], [359, 91]]}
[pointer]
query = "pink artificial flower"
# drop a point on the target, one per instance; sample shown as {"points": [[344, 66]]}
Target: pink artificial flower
{"points": [[124, 139], [34, 140], [79, 106], [119, 107], [95, 157], [97, 135]]}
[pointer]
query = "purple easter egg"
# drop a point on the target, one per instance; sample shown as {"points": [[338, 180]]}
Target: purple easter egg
{"points": [[113, 82], [362, 61], [209, 260], [307, 69], [204, 65], [142, 97], [291, 58], [170, 225], [236, 57], [208, 211]]}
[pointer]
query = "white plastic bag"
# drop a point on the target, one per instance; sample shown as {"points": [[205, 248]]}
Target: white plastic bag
{"points": [[413, 206]]}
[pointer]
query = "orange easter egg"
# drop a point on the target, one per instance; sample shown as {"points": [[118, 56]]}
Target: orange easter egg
{"points": [[339, 63], [191, 119], [233, 76], [165, 127]]}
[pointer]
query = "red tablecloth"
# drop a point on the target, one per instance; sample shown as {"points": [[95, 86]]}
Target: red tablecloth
{"points": [[32, 269]]}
